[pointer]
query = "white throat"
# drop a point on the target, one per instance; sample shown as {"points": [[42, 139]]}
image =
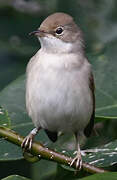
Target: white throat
{"points": [[54, 45]]}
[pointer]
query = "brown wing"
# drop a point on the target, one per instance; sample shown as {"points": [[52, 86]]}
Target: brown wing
{"points": [[89, 127]]}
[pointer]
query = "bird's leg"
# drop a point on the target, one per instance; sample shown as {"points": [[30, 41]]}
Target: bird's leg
{"points": [[27, 142], [78, 157]]}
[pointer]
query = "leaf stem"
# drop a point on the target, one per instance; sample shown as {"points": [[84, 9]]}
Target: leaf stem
{"points": [[39, 150]]}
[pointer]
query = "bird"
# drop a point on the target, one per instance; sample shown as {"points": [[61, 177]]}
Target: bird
{"points": [[60, 90]]}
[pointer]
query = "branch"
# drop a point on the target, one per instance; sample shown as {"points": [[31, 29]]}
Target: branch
{"points": [[39, 150]]}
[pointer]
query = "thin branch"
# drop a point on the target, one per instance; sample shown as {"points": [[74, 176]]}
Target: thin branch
{"points": [[39, 150]]}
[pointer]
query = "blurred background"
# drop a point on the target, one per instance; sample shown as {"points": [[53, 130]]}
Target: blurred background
{"points": [[97, 19]]}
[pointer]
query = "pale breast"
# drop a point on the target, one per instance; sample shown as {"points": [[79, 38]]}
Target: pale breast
{"points": [[58, 96]]}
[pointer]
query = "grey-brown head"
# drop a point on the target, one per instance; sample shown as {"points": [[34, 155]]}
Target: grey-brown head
{"points": [[59, 29]]}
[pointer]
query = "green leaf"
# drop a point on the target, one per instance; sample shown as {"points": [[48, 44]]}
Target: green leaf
{"points": [[102, 176], [9, 151], [4, 118], [12, 99], [104, 66], [103, 156], [15, 177], [40, 173], [103, 118]]}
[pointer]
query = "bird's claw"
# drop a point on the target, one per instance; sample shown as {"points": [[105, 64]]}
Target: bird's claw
{"points": [[27, 142], [78, 160]]}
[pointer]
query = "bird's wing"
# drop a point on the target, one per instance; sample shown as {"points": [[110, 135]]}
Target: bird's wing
{"points": [[52, 135], [89, 127]]}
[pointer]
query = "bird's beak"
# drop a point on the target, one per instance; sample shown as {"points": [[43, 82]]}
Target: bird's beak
{"points": [[37, 33]]}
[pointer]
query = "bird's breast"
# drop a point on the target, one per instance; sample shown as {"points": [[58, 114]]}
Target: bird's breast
{"points": [[58, 96]]}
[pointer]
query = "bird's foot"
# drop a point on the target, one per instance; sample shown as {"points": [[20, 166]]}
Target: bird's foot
{"points": [[78, 160], [27, 142]]}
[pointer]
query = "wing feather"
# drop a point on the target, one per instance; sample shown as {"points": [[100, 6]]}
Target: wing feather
{"points": [[89, 127]]}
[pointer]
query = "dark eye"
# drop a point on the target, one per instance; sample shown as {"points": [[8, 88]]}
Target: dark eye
{"points": [[59, 30]]}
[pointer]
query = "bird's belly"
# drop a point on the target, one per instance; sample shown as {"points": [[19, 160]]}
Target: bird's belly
{"points": [[55, 101]]}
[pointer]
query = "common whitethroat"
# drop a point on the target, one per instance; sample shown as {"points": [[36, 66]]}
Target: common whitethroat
{"points": [[59, 84]]}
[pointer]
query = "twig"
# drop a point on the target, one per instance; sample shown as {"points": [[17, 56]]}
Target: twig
{"points": [[39, 150]]}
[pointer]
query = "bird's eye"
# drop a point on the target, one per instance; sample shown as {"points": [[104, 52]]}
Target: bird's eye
{"points": [[59, 30]]}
